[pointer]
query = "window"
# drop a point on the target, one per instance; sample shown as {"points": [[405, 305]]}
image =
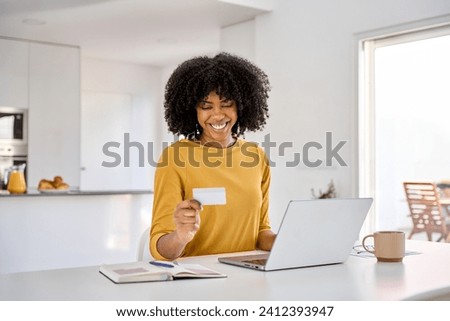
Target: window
{"points": [[404, 109]]}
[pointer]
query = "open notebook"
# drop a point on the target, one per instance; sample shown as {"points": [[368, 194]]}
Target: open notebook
{"points": [[146, 272]]}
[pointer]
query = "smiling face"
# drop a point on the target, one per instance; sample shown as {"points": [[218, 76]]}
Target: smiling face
{"points": [[217, 117]]}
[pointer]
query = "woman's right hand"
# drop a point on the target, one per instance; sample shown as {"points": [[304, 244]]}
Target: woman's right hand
{"points": [[187, 220]]}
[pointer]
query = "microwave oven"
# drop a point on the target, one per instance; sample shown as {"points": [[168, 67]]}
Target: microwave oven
{"points": [[13, 125]]}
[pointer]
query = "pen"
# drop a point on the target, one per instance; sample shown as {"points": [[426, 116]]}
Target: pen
{"points": [[163, 264]]}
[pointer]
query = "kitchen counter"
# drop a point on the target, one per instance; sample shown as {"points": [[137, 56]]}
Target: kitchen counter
{"points": [[36, 193], [40, 231]]}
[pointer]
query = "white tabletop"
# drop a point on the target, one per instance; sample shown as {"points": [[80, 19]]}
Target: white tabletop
{"points": [[422, 276]]}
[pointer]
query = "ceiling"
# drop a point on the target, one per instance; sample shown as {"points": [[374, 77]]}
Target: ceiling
{"points": [[155, 32]]}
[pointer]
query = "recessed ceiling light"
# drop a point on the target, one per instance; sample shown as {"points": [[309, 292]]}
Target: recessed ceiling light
{"points": [[33, 22]]}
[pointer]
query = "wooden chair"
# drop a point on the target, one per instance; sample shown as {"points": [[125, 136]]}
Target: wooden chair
{"points": [[425, 210], [444, 194]]}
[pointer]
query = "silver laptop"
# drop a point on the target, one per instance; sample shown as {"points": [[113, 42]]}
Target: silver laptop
{"points": [[312, 232]]}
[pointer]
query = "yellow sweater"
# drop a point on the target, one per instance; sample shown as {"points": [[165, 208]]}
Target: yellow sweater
{"points": [[244, 172]]}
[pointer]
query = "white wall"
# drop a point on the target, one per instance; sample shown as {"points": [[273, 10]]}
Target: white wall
{"points": [[308, 50], [142, 83], [239, 39]]}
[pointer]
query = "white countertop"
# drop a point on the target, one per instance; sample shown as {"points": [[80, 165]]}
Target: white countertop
{"points": [[419, 277], [36, 193]]}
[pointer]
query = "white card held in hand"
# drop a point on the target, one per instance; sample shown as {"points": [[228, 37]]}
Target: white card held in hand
{"points": [[210, 196]]}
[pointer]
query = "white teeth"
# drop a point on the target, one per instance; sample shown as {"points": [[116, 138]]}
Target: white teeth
{"points": [[219, 126]]}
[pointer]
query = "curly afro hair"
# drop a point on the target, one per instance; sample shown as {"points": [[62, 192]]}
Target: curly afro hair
{"points": [[231, 77]]}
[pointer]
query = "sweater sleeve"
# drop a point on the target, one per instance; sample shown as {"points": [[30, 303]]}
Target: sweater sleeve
{"points": [[264, 223], [168, 192]]}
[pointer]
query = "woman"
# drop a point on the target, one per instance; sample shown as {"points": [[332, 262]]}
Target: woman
{"points": [[212, 101]]}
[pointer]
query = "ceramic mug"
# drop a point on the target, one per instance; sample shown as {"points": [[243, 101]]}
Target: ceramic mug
{"points": [[389, 246]]}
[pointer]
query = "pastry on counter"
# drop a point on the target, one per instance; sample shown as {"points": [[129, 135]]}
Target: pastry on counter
{"points": [[57, 184], [45, 184]]}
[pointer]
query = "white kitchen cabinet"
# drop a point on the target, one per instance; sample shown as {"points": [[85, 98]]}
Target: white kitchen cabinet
{"points": [[13, 73], [105, 117], [54, 113]]}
